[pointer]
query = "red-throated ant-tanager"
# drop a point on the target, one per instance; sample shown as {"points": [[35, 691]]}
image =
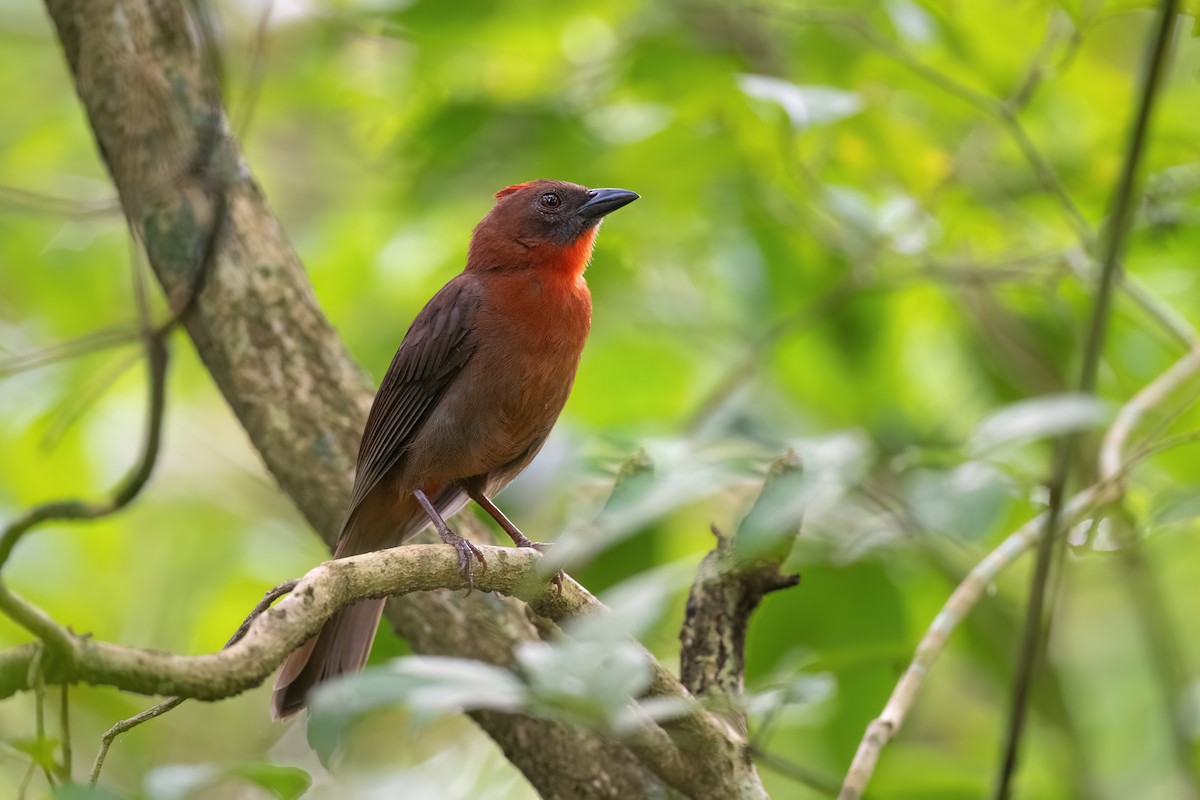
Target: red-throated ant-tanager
{"points": [[468, 400]]}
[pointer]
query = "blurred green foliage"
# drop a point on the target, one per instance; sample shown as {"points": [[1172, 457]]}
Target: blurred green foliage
{"points": [[834, 251]]}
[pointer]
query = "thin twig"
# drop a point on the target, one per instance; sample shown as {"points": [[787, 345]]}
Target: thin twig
{"points": [[817, 781], [1147, 601], [121, 727], [129, 487], [64, 724], [1169, 443], [1112, 454], [960, 603], [15, 200], [26, 780], [78, 403], [249, 102], [1124, 203], [172, 702], [746, 366], [1003, 112], [155, 339], [39, 713], [84, 345]]}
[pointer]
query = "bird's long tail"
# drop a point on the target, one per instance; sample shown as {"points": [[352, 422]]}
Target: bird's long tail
{"points": [[341, 647], [344, 643]]}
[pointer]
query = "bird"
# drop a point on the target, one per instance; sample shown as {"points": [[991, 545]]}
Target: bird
{"points": [[469, 399]]}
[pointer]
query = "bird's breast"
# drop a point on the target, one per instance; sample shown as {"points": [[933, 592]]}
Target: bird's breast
{"points": [[528, 336]]}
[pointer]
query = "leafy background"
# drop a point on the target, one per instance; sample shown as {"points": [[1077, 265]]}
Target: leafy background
{"points": [[834, 252]]}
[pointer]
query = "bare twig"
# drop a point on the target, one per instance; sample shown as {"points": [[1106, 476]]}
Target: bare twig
{"points": [[270, 597], [64, 724], [818, 781], [249, 100], [1003, 112], [172, 702], [732, 580], [749, 363], [129, 487], [155, 341], [960, 603], [23, 201], [84, 345], [26, 779], [1153, 613], [125, 725], [1123, 205], [1169, 443], [1112, 449], [39, 712]]}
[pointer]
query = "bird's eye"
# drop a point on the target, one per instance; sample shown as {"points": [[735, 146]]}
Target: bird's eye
{"points": [[550, 200]]}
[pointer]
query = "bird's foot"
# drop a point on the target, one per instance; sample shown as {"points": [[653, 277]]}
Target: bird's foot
{"points": [[520, 540], [543, 548], [467, 552]]}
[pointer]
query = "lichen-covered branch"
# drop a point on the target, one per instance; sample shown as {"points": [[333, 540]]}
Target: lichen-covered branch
{"points": [[691, 754], [732, 580], [280, 629]]}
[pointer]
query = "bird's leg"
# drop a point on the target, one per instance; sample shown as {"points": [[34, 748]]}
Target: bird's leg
{"points": [[519, 539], [466, 551]]}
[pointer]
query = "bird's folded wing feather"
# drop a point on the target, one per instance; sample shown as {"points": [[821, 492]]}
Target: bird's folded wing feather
{"points": [[433, 353]]}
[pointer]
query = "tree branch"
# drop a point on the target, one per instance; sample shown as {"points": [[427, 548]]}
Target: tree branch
{"points": [[283, 627], [732, 580], [691, 753]]}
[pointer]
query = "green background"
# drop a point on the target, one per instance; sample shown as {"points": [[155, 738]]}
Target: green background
{"points": [[833, 252]]}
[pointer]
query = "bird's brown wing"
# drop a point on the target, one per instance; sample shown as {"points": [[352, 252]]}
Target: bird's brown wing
{"points": [[435, 349]]}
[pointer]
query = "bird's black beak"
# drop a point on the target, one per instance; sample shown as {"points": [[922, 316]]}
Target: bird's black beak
{"points": [[605, 201]]}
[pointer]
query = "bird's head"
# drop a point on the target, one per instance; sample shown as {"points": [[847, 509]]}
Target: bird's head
{"points": [[543, 225]]}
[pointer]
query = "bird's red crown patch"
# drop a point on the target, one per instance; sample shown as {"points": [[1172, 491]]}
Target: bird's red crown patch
{"points": [[507, 190]]}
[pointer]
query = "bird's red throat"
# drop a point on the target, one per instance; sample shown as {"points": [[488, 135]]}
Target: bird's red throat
{"points": [[570, 260]]}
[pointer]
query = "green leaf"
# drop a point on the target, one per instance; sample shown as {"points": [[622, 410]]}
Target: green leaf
{"points": [[1177, 504], [911, 21], [286, 783], [1039, 418], [805, 106], [78, 791], [40, 750], [429, 686], [179, 781], [592, 681], [772, 522], [964, 502]]}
